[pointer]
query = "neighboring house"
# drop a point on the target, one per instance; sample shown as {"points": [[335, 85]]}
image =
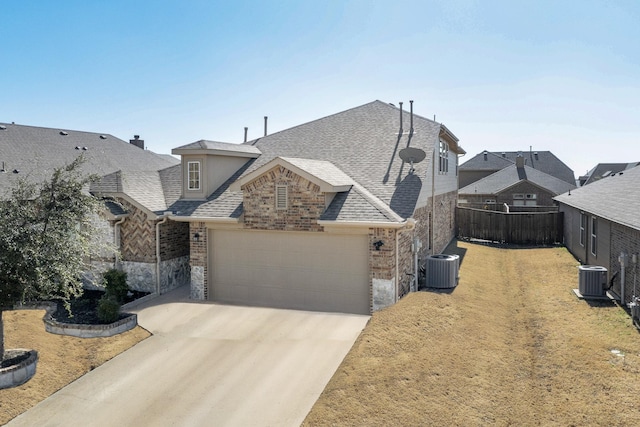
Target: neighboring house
{"points": [[601, 221], [323, 216], [138, 183], [603, 170], [517, 186], [486, 163]]}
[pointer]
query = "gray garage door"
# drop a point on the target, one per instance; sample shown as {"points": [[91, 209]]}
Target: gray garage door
{"points": [[304, 271]]}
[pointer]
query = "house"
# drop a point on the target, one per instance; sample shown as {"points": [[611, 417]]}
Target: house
{"points": [[486, 163], [138, 185], [517, 186], [603, 170], [322, 216], [601, 222]]}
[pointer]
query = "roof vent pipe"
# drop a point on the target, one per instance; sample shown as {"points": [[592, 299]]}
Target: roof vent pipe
{"points": [[246, 129], [265, 125], [400, 116], [411, 107]]}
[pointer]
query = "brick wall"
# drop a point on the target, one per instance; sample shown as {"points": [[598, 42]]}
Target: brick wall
{"points": [[405, 261], [174, 240], [625, 239], [444, 224], [198, 260], [305, 202]]}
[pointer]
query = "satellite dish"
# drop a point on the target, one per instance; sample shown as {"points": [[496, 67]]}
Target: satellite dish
{"points": [[412, 155]]}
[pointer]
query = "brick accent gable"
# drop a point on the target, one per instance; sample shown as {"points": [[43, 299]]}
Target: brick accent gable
{"points": [[305, 202]]}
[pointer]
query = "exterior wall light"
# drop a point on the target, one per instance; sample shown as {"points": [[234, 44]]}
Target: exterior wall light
{"points": [[378, 244], [196, 237]]}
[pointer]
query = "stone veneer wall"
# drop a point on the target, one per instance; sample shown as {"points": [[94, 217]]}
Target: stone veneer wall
{"points": [[625, 239], [198, 260], [174, 272], [304, 199]]}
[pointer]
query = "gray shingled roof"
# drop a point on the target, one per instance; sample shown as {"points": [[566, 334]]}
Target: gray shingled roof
{"points": [[602, 170], [510, 176], [363, 142], [155, 190], [615, 198], [545, 161], [37, 151], [204, 144]]}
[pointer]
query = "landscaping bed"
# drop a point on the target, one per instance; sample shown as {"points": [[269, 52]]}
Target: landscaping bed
{"points": [[84, 309]]}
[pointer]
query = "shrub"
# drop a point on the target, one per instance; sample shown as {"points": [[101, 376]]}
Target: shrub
{"points": [[108, 309], [115, 283]]}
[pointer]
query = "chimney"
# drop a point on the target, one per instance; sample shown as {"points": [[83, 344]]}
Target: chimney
{"points": [[265, 125], [411, 107], [400, 116], [137, 141], [520, 162], [246, 129]]}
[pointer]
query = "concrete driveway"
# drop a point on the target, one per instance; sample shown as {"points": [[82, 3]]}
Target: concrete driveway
{"points": [[208, 364]]}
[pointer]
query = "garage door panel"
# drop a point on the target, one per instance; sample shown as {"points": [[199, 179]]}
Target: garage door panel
{"points": [[309, 271]]}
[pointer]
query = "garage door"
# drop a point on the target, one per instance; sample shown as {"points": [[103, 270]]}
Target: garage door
{"points": [[304, 271]]}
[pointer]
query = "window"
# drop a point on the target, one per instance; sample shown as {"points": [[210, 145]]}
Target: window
{"points": [[281, 197], [444, 157], [583, 229], [194, 175], [594, 235]]}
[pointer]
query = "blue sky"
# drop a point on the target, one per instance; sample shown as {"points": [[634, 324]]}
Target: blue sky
{"points": [[562, 76]]}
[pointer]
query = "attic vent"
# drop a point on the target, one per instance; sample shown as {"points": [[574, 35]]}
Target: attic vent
{"points": [[536, 155], [77, 148], [103, 137], [3, 127], [485, 155], [16, 171], [63, 133], [85, 148], [281, 197], [504, 154]]}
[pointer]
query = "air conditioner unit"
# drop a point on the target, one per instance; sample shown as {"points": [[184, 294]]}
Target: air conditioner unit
{"points": [[442, 271], [592, 280]]}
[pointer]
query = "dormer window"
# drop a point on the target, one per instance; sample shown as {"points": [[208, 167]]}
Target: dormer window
{"points": [[194, 175], [281, 197]]}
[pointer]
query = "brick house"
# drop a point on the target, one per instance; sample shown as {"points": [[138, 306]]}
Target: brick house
{"points": [[322, 216], [137, 184], [601, 222], [518, 186]]}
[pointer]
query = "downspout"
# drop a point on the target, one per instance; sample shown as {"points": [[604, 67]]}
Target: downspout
{"points": [[433, 201], [623, 264], [158, 224], [395, 297], [116, 239]]}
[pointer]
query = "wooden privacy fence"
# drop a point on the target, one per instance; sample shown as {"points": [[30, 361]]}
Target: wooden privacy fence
{"points": [[523, 228]]}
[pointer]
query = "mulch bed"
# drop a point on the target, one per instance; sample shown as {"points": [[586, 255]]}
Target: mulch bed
{"points": [[84, 310]]}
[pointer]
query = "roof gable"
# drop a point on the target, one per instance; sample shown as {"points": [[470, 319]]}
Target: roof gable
{"points": [[510, 176], [325, 175]]}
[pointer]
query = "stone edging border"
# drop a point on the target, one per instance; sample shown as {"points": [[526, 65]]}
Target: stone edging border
{"points": [[80, 330], [13, 376]]}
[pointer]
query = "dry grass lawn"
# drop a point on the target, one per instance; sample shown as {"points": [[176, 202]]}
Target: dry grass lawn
{"points": [[511, 345], [62, 359]]}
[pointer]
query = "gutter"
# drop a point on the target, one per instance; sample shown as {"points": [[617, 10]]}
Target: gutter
{"points": [[225, 220], [363, 224]]}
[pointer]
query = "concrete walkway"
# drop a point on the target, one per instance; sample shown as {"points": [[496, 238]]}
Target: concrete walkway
{"points": [[208, 364]]}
